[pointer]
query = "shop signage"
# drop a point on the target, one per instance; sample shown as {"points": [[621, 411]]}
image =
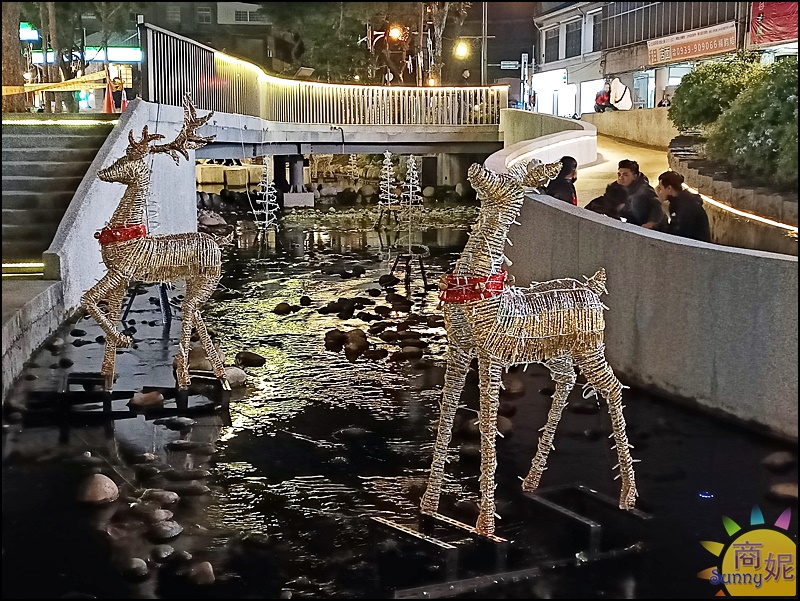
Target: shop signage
{"points": [[692, 44], [773, 23]]}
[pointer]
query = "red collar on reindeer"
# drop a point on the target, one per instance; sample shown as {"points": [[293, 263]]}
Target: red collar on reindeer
{"points": [[461, 289], [110, 235]]}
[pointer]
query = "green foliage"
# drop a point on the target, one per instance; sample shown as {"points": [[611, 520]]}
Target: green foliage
{"points": [[326, 34], [711, 88], [757, 134]]}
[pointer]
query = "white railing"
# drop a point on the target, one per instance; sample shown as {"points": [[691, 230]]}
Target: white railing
{"points": [[174, 65]]}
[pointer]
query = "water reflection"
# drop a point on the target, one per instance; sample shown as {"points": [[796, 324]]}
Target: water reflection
{"points": [[315, 445]]}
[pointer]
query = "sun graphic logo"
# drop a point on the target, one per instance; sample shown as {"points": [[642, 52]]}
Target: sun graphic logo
{"points": [[758, 561]]}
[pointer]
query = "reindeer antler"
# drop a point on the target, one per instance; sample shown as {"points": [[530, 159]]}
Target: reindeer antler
{"points": [[187, 139], [140, 149], [540, 174]]}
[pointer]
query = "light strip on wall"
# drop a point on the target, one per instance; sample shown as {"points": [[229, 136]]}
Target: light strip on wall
{"points": [[790, 228], [60, 121], [530, 153], [23, 265]]}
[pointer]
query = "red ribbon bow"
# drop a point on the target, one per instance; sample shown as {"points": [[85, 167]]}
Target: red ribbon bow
{"points": [[461, 289], [110, 235]]}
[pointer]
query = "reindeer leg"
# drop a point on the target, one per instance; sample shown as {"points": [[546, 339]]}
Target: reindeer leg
{"points": [[110, 355], [457, 365], [190, 305], [489, 376], [110, 284], [208, 346], [600, 375], [564, 376]]}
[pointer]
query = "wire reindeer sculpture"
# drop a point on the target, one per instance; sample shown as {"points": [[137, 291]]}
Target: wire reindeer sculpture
{"points": [[558, 323], [131, 254]]}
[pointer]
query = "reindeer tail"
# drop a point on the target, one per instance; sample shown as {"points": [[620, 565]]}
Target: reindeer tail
{"points": [[597, 283]]}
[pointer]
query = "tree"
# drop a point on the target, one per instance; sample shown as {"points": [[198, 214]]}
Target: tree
{"points": [[711, 88], [12, 58], [757, 134], [440, 13], [325, 36], [113, 17]]}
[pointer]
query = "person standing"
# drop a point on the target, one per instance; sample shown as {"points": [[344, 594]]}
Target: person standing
{"points": [[687, 217], [563, 186]]}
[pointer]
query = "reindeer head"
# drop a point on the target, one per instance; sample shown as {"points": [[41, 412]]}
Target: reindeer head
{"points": [[131, 167], [505, 190]]}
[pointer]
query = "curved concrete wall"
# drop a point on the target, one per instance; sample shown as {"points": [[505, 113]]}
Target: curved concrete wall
{"points": [[651, 127], [74, 255], [708, 324], [549, 139], [688, 320]]}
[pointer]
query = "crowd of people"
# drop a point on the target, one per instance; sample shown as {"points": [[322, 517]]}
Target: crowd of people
{"points": [[666, 208]]}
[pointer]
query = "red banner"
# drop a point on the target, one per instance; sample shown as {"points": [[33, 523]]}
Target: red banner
{"points": [[773, 23]]}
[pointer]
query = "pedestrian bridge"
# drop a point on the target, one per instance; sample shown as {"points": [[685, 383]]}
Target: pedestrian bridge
{"points": [[258, 114]]}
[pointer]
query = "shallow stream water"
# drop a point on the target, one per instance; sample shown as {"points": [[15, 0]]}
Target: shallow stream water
{"points": [[316, 445]]}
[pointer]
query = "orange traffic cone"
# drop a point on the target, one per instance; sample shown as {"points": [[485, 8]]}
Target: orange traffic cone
{"points": [[108, 102], [123, 104]]}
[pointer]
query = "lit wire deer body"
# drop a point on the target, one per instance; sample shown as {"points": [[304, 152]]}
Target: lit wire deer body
{"points": [[131, 254], [558, 323]]}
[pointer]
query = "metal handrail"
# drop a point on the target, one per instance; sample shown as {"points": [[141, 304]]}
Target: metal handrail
{"points": [[174, 64]]}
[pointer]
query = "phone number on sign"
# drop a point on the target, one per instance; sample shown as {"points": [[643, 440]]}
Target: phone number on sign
{"points": [[725, 43]]}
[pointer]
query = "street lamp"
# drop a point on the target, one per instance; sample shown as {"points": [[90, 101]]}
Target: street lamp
{"points": [[395, 32], [461, 49]]}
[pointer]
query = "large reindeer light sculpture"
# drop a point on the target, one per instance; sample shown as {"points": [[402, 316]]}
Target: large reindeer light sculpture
{"points": [[558, 323], [130, 253]]}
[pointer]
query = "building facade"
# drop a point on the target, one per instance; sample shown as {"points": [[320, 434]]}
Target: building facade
{"points": [[648, 46]]}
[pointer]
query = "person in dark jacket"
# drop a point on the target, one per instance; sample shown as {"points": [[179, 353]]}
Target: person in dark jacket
{"points": [[687, 216], [642, 206], [611, 203], [563, 186]]}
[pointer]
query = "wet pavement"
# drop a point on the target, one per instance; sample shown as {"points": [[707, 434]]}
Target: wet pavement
{"points": [[279, 491]]}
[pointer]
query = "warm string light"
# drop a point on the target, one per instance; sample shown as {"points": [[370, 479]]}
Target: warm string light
{"points": [[558, 323], [131, 254]]}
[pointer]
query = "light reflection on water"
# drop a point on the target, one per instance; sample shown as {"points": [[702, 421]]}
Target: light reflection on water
{"points": [[314, 436]]}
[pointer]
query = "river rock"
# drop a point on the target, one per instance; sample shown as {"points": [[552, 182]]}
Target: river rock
{"points": [[133, 567], [513, 384], [162, 552], [200, 574], [174, 423], [98, 489], [147, 399], [784, 491], [779, 461], [282, 309], [236, 376], [192, 488], [249, 359], [165, 530], [162, 497], [188, 474], [191, 446]]}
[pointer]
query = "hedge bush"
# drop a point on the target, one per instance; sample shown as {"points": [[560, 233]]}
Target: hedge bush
{"points": [[711, 88], [757, 134]]}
